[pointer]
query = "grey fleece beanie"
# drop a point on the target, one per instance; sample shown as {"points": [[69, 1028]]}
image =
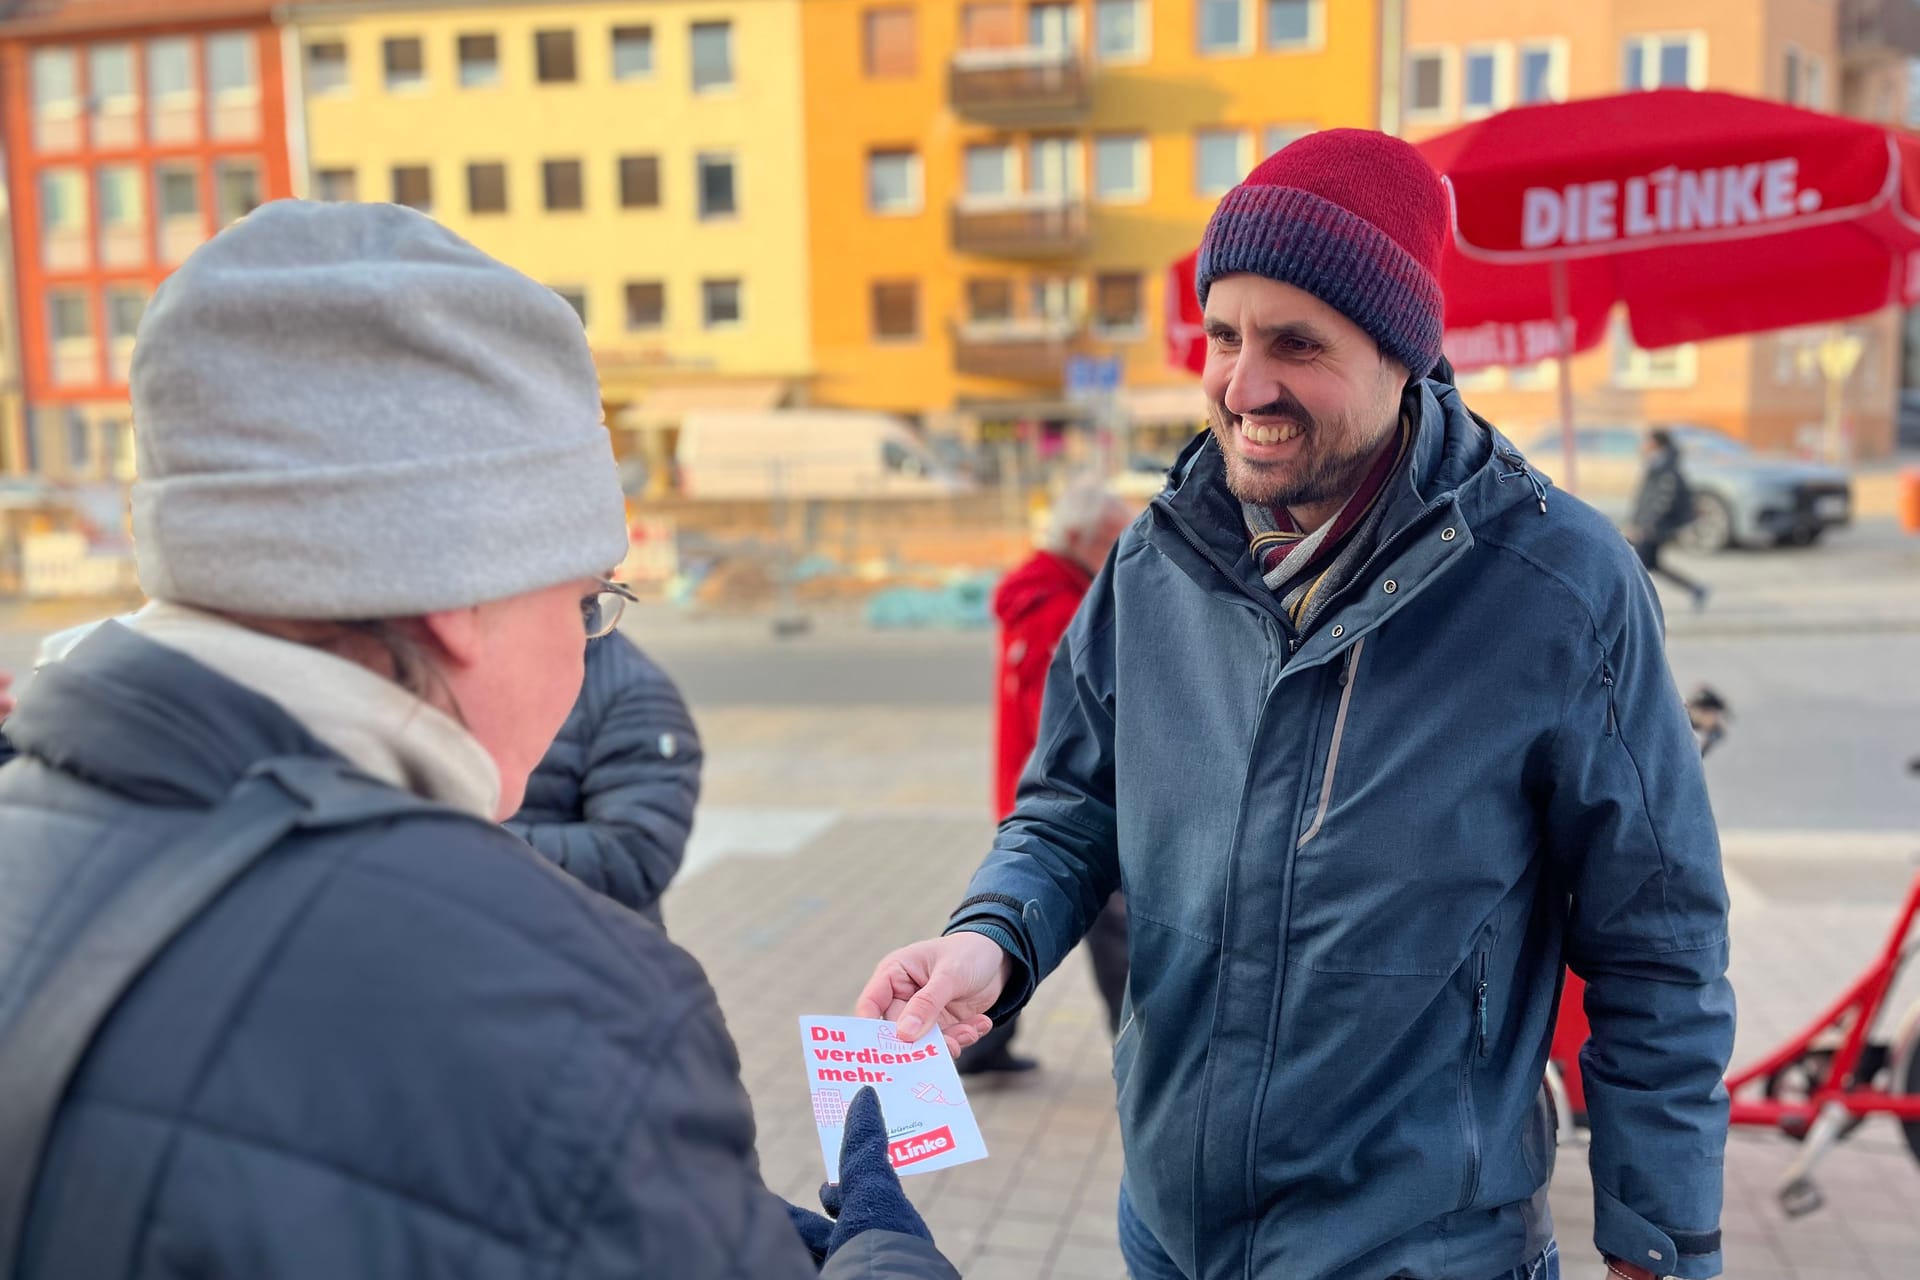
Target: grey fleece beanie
{"points": [[346, 411]]}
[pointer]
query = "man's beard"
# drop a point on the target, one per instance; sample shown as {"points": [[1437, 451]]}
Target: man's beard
{"points": [[1317, 476]]}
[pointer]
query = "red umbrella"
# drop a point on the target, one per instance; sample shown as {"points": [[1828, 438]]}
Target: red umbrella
{"points": [[1705, 214]]}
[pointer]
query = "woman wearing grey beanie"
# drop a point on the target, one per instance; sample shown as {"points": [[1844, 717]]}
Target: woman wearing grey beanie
{"points": [[278, 997]]}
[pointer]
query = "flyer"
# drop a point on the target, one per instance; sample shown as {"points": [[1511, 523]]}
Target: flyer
{"points": [[930, 1124]]}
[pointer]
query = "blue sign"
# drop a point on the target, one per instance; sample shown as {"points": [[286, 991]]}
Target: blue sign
{"points": [[1089, 378]]}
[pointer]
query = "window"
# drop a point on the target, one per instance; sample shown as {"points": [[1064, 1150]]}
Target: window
{"points": [[487, 187], [479, 58], [646, 305], [70, 316], [719, 303], [116, 108], [120, 192], [1119, 30], [1482, 80], [326, 66], [1543, 72], [894, 182], [405, 61], [236, 185], [1665, 62], [1054, 299], [173, 95], [890, 43], [712, 56], [1816, 76], [1056, 167], [991, 24], [1119, 308], [632, 53], [56, 100], [989, 172], [1790, 81], [1053, 27], [1223, 26], [1294, 24], [989, 301], [563, 183], [1426, 88], [1275, 137], [63, 201], [233, 108], [182, 227], [716, 186], [553, 57], [79, 437], [413, 187], [1120, 169], [1220, 160], [337, 186], [179, 193], [1637, 369], [575, 297], [124, 309], [896, 310], [639, 182]]}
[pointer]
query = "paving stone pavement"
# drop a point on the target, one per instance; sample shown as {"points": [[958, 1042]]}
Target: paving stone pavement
{"points": [[798, 934]]}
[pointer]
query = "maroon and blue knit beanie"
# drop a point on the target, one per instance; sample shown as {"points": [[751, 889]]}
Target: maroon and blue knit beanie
{"points": [[1354, 217]]}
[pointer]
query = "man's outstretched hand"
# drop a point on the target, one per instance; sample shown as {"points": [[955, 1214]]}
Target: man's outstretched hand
{"points": [[946, 982]]}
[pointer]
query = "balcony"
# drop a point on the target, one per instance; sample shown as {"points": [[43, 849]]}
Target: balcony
{"points": [[1020, 86], [1874, 29], [1037, 226], [1015, 350]]}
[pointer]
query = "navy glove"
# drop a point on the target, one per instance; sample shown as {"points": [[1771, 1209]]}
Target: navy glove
{"points": [[868, 1195]]}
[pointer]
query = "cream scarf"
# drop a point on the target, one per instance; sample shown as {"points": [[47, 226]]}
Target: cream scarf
{"points": [[381, 728]]}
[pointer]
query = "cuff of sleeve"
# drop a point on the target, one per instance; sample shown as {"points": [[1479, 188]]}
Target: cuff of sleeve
{"points": [[1019, 988], [1621, 1233]]}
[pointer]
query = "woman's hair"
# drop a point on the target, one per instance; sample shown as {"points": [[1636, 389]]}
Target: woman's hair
{"points": [[1663, 439]]}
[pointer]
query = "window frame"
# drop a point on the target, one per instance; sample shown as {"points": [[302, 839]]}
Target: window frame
{"points": [[701, 161], [1654, 42], [1556, 50], [463, 63], [1134, 330], [425, 171], [1241, 48], [332, 88], [626, 186], [1501, 84], [627, 298], [490, 168], [1242, 162], [915, 201], [707, 295], [868, 63], [554, 173], [388, 45], [1448, 106], [1316, 37], [543, 74], [1142, 50], [1142, 189], [916, 331], [693, 58]]}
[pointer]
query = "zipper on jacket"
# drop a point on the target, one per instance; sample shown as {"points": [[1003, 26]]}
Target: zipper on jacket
{"points": [[1606, 679], [1348, 678], [1480, 1005]]}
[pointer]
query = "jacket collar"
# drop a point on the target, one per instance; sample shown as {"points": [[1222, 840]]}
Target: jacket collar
{"points": [[150, 723]]}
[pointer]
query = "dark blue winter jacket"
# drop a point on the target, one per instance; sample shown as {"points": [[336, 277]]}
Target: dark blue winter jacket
{"points": [[1355, 863], [410, 1050], [612, 803]]}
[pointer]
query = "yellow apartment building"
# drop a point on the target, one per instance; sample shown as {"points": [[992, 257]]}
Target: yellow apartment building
{"points": [[996, 186], [1461, 61], [644, 158]]}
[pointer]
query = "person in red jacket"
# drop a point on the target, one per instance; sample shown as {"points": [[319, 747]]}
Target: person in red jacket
{"points": [[1034, 604]]}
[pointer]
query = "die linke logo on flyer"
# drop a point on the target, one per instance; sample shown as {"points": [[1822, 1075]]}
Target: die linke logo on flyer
{"points": [[1666, 201], [921, 1146]]}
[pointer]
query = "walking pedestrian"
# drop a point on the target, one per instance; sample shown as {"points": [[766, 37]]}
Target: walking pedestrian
{"points": [[612, 801], [1662, 507], [1376, 732], [1034, 604], [367, 1032], [6, 709]]}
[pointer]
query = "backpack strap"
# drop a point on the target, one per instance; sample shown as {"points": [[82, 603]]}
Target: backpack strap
{"points": [[46, 1045]]}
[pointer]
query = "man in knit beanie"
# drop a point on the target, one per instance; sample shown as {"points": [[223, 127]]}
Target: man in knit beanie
{"points": [[1377, 735]]}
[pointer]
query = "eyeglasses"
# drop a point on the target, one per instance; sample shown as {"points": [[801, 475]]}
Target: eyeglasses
{"points": [[600, 612]]}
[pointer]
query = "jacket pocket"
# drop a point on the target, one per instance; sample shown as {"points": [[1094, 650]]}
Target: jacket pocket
{"points": [[1477, 1052]]}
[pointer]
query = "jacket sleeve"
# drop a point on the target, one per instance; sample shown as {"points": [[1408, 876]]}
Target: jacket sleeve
{"points": [[1655, 504], [637, 796], [1056, 860], [682, 1195], [1631, 829]]}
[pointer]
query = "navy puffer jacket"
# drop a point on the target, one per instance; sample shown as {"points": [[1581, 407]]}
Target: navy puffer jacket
{"points": [[612, 803]]}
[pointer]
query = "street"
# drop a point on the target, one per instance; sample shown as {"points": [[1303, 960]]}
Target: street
{"points": [[846, 803]]}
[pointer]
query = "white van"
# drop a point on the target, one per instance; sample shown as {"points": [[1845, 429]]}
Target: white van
{"points": [[806, 453]]}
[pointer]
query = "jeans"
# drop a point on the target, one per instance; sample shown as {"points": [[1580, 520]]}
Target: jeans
{"points": [[1146, 1260]]}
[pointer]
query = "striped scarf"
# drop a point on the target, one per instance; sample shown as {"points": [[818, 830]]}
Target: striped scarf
{"points": [[1294, 562]]}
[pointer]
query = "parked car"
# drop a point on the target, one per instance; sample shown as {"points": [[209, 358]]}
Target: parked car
{"points": [[1742, 497]]}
